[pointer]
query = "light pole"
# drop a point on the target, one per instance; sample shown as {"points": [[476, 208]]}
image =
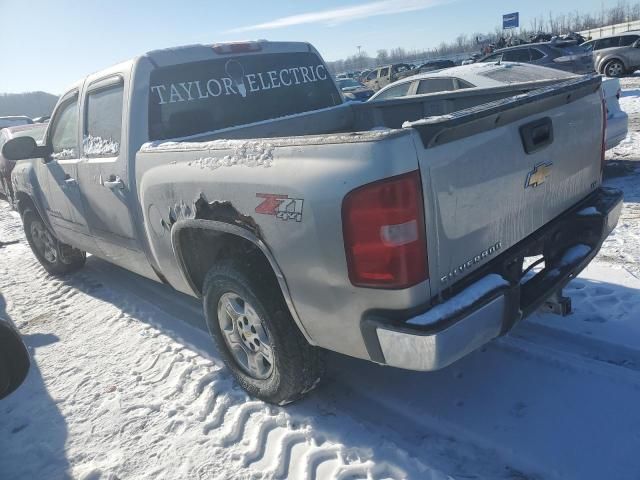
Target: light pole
{"points": [[359, 57]]}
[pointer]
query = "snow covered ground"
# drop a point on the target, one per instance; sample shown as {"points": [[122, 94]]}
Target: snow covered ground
{"points": [[125, 384]]}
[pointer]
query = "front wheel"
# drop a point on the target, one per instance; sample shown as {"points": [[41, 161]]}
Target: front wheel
{"points": [[256, 336], [56, 257], [614, 68]]}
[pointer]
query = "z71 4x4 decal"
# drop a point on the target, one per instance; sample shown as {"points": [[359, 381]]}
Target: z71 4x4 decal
{"points": [[281, 206]]}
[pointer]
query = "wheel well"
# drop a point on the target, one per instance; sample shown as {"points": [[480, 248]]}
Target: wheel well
{"points": [[201, 249], [605, 62], [24, 202]]}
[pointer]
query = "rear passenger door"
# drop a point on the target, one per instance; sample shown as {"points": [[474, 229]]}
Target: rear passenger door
{"points": [[103, 173]]}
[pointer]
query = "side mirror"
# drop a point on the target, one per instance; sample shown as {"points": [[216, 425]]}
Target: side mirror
{"points": [[14, 359], [22, 148]]}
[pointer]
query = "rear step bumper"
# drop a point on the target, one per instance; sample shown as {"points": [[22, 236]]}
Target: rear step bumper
{"points": [[491, 300]]}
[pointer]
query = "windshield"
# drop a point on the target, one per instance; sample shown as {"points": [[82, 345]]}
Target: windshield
{"points": [[198, 97], [348, 83]]}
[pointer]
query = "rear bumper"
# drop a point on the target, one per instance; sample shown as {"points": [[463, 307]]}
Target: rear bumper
{"points": [[490, 301], [617, 126]]}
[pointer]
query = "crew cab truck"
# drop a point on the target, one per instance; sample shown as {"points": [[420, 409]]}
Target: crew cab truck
{"points": [[238, 174]]}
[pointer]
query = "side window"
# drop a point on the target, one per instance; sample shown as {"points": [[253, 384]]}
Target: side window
{"points": [[518, 55], [589, 46], [372, 76], [627, 40], [399, 90], [535, 54], [384, 72], [435, 85], [607, 43], [64, 131], [463, 84], [103, 123]]}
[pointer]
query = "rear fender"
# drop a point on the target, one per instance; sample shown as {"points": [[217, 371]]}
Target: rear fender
{"points": [[240, 233]]}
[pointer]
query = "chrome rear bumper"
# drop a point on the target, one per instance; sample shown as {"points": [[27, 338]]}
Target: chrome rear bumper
{"points": [[480, 311]]}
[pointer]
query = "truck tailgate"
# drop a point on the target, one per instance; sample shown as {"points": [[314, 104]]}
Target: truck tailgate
{"points": [[496, 173]]}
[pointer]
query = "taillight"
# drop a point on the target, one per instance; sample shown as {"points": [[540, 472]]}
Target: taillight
{"points": [[236, 47], [384, 233]]}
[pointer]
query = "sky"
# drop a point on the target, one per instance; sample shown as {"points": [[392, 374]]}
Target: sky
{"points": [[49, 44]]}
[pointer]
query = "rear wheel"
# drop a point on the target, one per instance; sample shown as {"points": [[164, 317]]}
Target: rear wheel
{"points": [[56, 257], [256, 336], [614, 68]]}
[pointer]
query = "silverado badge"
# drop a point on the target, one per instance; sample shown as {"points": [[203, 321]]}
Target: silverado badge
{"points": [[538, 175]]}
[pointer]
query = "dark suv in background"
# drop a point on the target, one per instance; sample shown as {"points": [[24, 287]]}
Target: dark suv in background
{"points": [[616, 55], [567, 56]]}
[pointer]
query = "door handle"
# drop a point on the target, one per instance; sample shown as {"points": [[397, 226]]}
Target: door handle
{"points": [[114, 182]]}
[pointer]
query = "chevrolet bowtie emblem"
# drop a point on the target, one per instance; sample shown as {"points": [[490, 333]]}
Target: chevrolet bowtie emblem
{"points": [[538, 175]]}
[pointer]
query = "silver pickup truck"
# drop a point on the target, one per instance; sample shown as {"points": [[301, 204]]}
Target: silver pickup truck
{"points": [[238, 174]]}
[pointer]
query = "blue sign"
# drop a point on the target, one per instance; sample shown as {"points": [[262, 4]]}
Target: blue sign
{"points": [[511, 20]]}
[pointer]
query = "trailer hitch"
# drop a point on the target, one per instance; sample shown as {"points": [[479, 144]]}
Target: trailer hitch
{"points": [[557, 304]]}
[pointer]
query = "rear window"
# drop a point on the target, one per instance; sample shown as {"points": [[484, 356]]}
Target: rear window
{"points": [[204, 96], [434, 85], [520, 74], [518, 55]]}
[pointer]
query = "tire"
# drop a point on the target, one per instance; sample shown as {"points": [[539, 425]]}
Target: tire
{"points": [[295, 367], [56, 257], [614, 68]]}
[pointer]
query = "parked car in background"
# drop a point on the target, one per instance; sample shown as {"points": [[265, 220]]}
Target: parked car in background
{"points": [[617, 119], [354, 90], [474, 76], [382, 76], [35, 131], [13, 121], [615, 55], [43, 119], [14, 358], [561, 55], [494, 77]]}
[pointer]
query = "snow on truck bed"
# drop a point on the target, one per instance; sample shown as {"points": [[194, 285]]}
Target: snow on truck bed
{"points": [[126, 384]]}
